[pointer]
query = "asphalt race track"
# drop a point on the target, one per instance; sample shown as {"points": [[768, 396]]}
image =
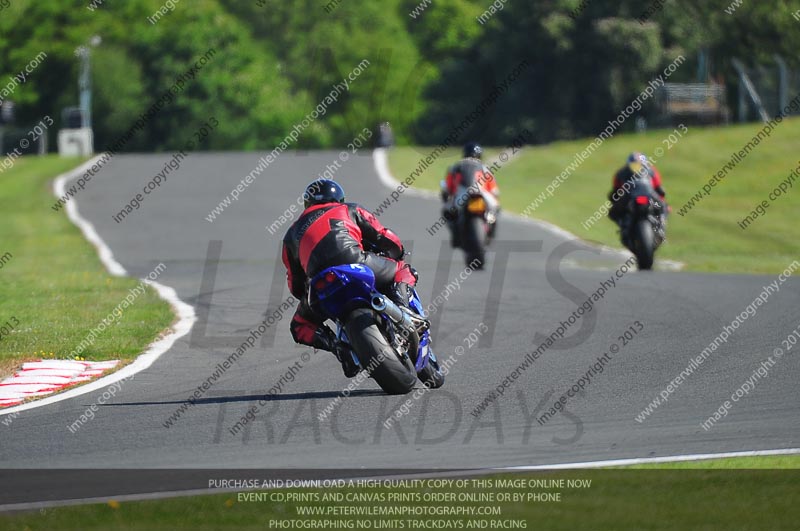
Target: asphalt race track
{"points": [[227, 271]]}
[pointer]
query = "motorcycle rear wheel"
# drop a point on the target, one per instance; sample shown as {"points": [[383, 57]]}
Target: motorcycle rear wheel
{"points": [[472, 241], [394, 375], [644, 244]]}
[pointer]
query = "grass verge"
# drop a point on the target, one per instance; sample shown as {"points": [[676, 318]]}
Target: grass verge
{"points": [[52, 283], [720, 497], [707, 238], [775, 462]]}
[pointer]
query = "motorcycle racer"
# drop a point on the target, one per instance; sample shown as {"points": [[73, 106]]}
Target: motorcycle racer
{"points": [[331, 232], [468, 173], [637, 165]]}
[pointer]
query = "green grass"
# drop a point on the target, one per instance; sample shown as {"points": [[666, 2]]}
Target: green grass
{"points": [[618, 499], [707, 238], [54, 283], [761, 462]]}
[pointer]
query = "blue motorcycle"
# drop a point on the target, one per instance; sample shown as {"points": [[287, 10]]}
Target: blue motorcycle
{"points": [[389, 342]]}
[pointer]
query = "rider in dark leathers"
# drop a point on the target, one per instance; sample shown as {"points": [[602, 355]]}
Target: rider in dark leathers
{"points": [[468, 173], [636, 165]]}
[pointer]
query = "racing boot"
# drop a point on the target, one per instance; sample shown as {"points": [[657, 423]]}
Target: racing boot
{"points": [[450, 216], [455, 234], [325, 339], [400, 294]]}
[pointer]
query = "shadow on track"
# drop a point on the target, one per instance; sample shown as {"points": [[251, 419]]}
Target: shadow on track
{"points": [[253, 398]]}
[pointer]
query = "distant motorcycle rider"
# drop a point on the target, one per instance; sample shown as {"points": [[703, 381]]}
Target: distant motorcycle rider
{"points": [[637, 166], [468, 173], [331, 232]]}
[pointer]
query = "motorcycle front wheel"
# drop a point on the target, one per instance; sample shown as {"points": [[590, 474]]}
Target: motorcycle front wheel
{"points": [[431, 375]]}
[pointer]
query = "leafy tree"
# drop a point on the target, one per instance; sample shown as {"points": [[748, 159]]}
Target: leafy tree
{"points": [[274, 62]]}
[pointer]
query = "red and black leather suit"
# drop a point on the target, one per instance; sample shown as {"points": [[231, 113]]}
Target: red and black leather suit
{"points": [[468, 173], [332, 234], [623, 175]]}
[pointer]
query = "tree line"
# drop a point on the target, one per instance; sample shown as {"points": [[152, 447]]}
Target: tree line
{"points": [[276, 61]]}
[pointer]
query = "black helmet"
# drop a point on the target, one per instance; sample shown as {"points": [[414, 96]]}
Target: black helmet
{"points": [[323, 191], [473, 150]]}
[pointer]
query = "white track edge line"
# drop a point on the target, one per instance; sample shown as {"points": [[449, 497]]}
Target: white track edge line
{"points": [[654, 460], [381, 161], [185, 312]]}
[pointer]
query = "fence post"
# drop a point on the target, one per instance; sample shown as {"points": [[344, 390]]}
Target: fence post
{"points": [[744, 82], [783, 83]]}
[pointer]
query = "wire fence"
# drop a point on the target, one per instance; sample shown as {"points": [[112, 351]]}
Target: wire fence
{"points": [[774, 84]]}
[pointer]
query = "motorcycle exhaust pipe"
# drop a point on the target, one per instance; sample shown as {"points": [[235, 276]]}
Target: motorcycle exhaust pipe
{"points": [[396, 314], [378, 303]]}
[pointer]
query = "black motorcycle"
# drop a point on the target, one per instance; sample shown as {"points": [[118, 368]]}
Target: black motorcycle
{"points": [[473, 223], [643, 225]]}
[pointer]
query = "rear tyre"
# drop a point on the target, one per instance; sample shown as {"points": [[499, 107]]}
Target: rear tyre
{"points": [[472, 241], [491, 233], [395, 376], [644, 244]]}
